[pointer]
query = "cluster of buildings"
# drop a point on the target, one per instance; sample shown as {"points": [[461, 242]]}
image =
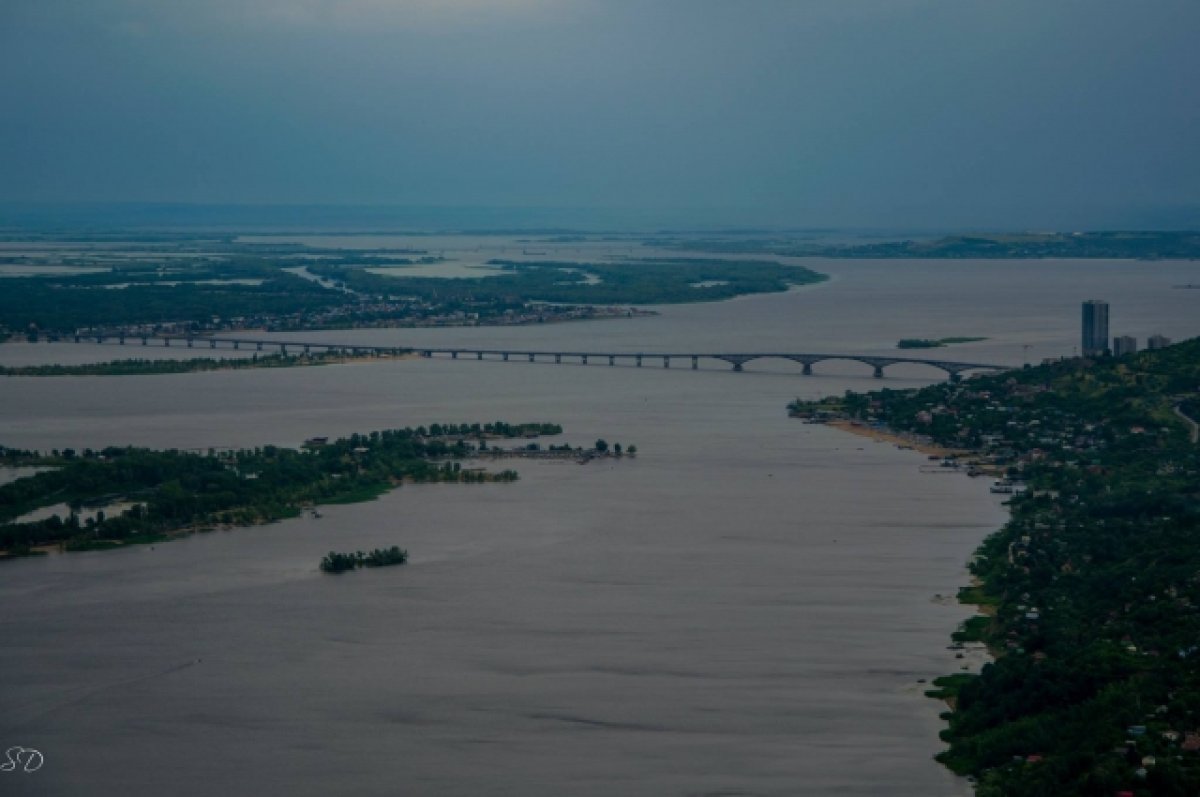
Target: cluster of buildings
{"points": [[1095, 334]]}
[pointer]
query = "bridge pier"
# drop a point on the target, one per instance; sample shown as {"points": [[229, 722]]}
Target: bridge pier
{"points": [[453, 355], [145, 341], [807, 369], [121, 340], [505, 356], [99, 338], [237, 344], [259, 347], [76, 338], [212, 344], [878, 372], [639, 361], [583, 359], [955, 377], [306, 348], [531, 358], [612, 360], [558, 359], [736, 361], [478, 355], [167, 342], [191, 342], [695, 362], [666, 362]]}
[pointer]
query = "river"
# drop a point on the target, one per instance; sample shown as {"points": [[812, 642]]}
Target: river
{"points": [[746, 607]]}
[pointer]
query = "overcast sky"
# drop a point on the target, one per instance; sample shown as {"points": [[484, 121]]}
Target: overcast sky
{"points": [[879, 113]]}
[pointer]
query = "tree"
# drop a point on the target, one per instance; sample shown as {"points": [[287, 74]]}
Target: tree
{"points": [[617, 449], [632, 451], [601, 446]]}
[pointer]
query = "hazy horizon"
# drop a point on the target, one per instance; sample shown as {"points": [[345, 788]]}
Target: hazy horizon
{"points": [[868, 114]]}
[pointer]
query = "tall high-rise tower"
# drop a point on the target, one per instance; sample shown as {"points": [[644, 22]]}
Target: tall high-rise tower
{"points": [[1095, 327]]}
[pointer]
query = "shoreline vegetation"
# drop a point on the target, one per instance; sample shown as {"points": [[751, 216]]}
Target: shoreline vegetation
{"points": [[1089, 596], [147, 367], [172, 493], [934, 343], [335, 562]]}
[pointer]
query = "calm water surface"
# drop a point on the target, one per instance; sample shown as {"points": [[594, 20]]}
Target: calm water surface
{"points": [[746, 607]]}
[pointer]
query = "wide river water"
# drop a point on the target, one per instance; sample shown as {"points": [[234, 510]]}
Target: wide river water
{"points": [[745, 608]]}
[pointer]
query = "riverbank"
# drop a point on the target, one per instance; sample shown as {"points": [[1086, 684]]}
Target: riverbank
{"points": [[156, 367], [882, 434], [1091, 582]]}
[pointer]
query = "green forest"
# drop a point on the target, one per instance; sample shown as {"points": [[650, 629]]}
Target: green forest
{"points": [[191, 292], [1091, 592], [176, 491]]}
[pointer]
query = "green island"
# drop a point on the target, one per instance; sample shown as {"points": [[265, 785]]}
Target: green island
{"points": [[144, 367], [185, 284], [634, 281], [335, 562], [933, 343], [170, 493], [1090, 593]]}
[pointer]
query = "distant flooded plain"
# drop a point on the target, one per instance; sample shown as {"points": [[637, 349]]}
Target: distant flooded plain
{"points": [[749, 606]]}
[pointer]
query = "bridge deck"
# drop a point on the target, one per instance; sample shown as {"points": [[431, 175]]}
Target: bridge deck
{"points": [[736, 359]]}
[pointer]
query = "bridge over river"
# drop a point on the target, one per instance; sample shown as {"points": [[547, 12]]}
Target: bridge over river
{"points": [[737, 360]]}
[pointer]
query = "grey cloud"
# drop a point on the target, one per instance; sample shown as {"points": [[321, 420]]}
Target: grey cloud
{"points": [[854, 112]]}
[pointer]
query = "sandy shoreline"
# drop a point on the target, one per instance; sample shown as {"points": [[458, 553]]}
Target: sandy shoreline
{"points": [[900, 439]]}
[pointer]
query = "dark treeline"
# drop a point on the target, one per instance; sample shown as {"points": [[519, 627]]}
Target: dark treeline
{"points": [[335, 562], [142, 367], [1094, 583], [494, 429], [176, 490], [1141, 245]]}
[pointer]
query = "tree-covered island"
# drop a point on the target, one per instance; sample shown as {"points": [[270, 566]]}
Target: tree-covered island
{"points": [[647, 280], [934, 343], [187, 285], [175, 492], [1091, 592], [335, 562]]}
